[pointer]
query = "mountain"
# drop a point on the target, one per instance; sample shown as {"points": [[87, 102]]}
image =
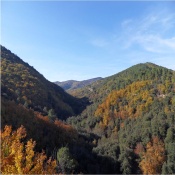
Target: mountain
{"points": [[50, 136], [140, 72], [133, 114], [122, 124], [73, 84], [29, 100], [25, 85]]}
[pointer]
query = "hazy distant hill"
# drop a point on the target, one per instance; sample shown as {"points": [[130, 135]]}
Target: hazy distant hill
{"points": [[73, 84], [25, 85]]}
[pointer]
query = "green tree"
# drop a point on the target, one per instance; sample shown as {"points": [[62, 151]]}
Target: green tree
{"points": [[26, 105], [169, 165], [127, 160], [67, 163], [51, 115], [170, 135]]}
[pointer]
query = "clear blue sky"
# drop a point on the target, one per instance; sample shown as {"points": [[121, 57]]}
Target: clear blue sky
{"points": [[81, 40]]}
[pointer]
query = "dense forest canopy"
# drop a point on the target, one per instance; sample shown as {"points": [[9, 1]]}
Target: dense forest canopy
{"points": [[122, 124]]}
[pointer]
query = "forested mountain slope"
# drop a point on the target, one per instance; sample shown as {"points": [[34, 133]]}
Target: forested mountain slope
{"points": [[51, 136], [127, 128], [133, 113], [73, 84], [144, 71], [47, 133], [26, 95], [25, 85]]}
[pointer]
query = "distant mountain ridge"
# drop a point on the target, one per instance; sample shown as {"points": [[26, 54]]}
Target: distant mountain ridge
{"points": [[74, 84]]}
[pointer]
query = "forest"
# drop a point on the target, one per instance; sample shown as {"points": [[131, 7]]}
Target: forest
{"points": [[122, 124]]}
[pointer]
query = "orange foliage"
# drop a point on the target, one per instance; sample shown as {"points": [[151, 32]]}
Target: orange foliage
{"points": [[72, 133], [154, 157], [40, 116], [67, 130], [18, 158], [134, 95]]}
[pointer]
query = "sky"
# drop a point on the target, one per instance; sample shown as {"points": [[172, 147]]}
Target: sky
{"points": [[73, 40]]}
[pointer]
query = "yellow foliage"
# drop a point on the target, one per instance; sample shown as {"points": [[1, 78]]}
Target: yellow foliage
{"points": [[166, 110], [17, 158], [105, 119], [134, 94], [161, 88]]}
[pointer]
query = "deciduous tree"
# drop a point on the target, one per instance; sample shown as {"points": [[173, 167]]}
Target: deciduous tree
{"points": [[20, 158], [154, 157]]}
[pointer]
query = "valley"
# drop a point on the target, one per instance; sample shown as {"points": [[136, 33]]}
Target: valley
{"points": [[121, 124]]}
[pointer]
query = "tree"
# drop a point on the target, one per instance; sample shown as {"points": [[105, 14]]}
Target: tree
{"points": [[154, 157], [169, 166], [67, 163], [51, 115], [26, 105], [170, 138], [20, 158], [127, 159]]}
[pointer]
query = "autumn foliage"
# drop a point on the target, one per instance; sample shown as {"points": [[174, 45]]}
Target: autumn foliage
{"points": [[129, 102], [133, 131], [154, 157], [20, 158]]}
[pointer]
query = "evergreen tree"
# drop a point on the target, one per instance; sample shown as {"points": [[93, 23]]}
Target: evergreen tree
{"points": [[67, 163]]}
